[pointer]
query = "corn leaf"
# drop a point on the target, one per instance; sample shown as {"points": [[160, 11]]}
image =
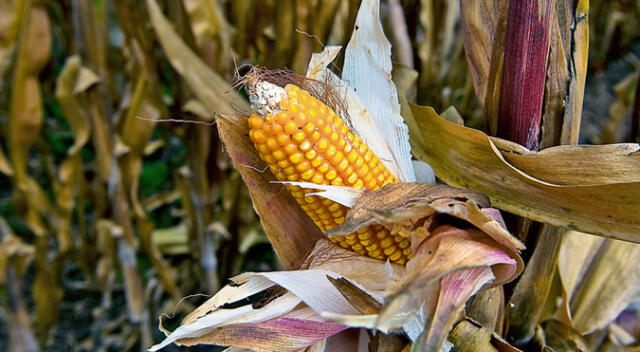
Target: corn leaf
{"points": [[592, 188], [209, 87]]}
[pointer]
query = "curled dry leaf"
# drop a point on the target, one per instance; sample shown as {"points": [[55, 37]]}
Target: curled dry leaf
{"points": [[601, 270], [338, 289], [595, 189]]}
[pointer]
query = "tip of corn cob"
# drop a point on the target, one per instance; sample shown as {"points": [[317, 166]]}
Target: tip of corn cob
{"points": [[265, 97]]}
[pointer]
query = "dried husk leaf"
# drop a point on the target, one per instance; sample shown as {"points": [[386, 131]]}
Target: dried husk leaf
{"points": [[291, 233], [367, 69], [607, 272], [592, 188], [311, 286]]}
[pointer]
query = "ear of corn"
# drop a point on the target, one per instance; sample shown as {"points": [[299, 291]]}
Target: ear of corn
{"points": [[307, 141]]}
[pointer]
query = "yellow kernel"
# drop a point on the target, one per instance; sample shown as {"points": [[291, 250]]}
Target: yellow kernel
{"points": [[283, 139], [327, 130], [362, 171], [381, 234], [343, 165], [331, 175], [315, 136], [272, 144], [337, 182], [309, 128], [326, 202], [324, 167], [368, 155], [358, 185], [305, 146], [385, 243], [307, 175], [339, 221], [256, 122], [259, 137], [404, 244], [290, 148], [290, 127], [352, 179], [364, 235], [338, 157], [317, 178], [352, 156], [269, 159], [331, 151], [301, 118], [407, 251], [304, 166], [279, 154], [316, 163], [263, 149], [310, 155], [276, 129], [334, 207], [282, 118], [337, 214], [334, 137], [289, 171], [395, 256], [357, 247], [389, 250], [372, 247], [323, 144], [299, 137]]}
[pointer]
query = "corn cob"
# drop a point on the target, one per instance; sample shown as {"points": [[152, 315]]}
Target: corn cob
{"points": [[307, 141]]}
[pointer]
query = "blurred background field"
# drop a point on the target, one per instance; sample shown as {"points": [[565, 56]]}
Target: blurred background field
{"points": [[108, 220]]}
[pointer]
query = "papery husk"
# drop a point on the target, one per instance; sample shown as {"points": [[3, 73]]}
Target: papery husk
{"points": [[600, 270], [443, 254], [592, 188], [367, 69], [311, 286], [341, 287], [290, 231]]}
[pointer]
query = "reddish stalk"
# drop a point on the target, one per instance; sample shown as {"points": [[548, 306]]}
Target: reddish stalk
{"points": [[525, 68]]}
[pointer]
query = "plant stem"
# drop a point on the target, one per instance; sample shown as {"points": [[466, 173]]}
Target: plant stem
{"points": [[525, 68]]}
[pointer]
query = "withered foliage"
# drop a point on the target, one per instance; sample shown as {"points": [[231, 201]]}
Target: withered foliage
{"points": [[108, 219]]}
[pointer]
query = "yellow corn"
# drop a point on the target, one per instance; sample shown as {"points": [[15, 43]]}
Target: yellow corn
{"points": [[307, 141]]}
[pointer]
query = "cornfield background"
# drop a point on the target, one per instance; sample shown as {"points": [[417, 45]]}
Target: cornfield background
{"points": [[108, 219]]}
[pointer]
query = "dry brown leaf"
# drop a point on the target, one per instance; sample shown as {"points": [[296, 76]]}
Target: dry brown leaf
{"points": [[592, 188], [291, 233], [209, 87], [595, 271]]}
